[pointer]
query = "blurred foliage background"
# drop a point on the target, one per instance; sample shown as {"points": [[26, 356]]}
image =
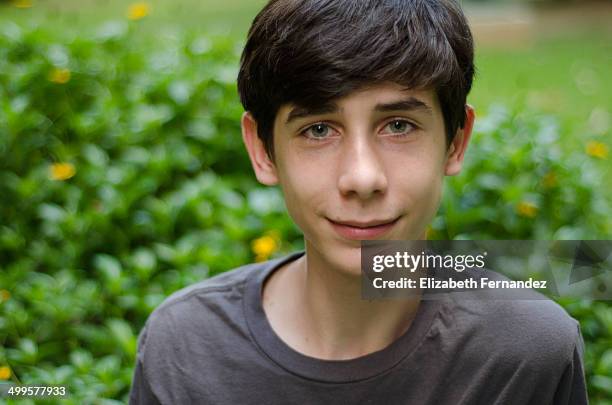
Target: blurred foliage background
{"points": [[123, 177]]}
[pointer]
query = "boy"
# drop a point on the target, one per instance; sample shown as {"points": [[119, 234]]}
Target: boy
{"points": [[357, 110]]}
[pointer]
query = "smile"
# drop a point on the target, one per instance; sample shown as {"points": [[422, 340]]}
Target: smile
{"points": [[362, 230]]}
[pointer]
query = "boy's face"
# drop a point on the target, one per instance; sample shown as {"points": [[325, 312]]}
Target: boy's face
{"points": [[376, 157]]}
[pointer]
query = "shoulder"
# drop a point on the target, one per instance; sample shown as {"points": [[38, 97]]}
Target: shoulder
{"points": [[202, 309], [537, 329], [206, 308], [193, 327], [181, 307], [190, 324]]}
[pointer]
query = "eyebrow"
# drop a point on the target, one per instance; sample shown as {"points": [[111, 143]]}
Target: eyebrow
{"points": [[409, 104]]}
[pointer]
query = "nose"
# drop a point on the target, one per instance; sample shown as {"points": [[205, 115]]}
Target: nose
{"points": [[362, 171]]}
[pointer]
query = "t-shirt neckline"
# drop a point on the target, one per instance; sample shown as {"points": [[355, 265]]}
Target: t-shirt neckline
{"points": [[333, 371]]}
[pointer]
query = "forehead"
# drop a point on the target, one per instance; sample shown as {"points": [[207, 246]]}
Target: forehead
{"points": [[381, 98]]}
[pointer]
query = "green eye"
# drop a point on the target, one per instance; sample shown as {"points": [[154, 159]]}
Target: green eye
{"points": [[400, 127], [317, 131]]}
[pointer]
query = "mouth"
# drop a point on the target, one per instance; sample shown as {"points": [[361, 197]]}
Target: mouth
{"points": [[362, 230]]}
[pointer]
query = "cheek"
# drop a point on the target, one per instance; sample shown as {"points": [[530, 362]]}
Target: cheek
{"points": [[303, 189], [421, 181], [430, 200], [423, 188]]}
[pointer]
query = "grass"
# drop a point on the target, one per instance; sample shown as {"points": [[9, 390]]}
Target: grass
{"points": [[568, 77]]}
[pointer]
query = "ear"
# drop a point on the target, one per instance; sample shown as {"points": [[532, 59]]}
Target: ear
{"points": [[264, 168], [456, 151]]}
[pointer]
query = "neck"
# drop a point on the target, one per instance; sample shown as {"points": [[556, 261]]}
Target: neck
{"points": [[325, 316]]}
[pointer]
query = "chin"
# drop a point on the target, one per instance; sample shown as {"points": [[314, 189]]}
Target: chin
{"points": [[347, 259]]}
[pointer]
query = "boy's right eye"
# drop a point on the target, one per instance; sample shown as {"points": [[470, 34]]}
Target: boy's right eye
{"points": [[317, 131]]}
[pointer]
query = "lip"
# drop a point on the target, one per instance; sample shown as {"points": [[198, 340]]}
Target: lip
{"points": [[362, 230]]}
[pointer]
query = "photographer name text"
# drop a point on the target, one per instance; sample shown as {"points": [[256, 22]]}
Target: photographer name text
{"points": [[446, 284]]}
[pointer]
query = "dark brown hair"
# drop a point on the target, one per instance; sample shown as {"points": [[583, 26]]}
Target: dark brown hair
{"points": [[309, 52]]}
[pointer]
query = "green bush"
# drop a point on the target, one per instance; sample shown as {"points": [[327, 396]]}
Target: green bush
{"points": [[517, 183], [123, 178]]}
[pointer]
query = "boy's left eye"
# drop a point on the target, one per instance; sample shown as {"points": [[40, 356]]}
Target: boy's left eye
{"points": [[399, 127]]}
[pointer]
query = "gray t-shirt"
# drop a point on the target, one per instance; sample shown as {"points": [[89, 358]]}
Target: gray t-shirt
{"points": [[211, 343]]}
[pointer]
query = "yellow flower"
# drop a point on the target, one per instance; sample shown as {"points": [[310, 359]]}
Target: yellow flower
{"points": [[597, 149], [22, 3], [62, 171], [264, 246], [59, 76], [137, 11], [4, 295], [527, 209], [549, 180], [5, 373]]}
